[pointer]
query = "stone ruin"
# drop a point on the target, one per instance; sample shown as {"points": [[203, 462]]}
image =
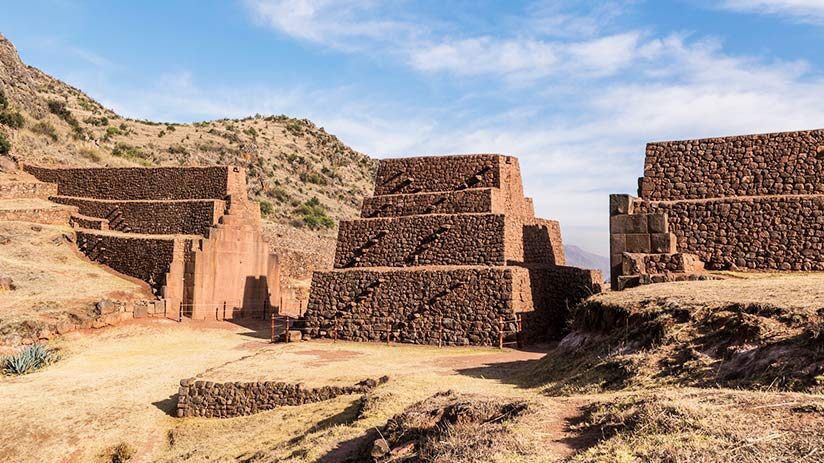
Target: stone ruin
{"points": [[190, 233], [446, 250], [753, 202]]}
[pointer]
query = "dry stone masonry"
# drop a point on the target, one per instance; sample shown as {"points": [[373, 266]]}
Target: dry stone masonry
{"points": [[225, 400], [753, 202], [191, 233], [446, 250]]}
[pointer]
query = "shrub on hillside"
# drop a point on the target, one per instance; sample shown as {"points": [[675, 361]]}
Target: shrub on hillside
{"points": [[4, 102], [313, 177], [5, 145], [13, 119], [28, 360], [44, 128], [131, 153], [266, 208], [314, 214]]}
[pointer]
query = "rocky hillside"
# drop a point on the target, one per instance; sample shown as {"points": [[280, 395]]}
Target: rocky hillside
{"points": [[305, 179], [289, 161]]}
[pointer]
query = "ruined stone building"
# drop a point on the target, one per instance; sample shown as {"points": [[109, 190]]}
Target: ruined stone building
{"points": [[191, 233], [753, 202], [446, 249]]}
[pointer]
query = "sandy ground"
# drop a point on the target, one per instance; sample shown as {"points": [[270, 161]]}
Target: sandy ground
{"points": [[117, 385]]}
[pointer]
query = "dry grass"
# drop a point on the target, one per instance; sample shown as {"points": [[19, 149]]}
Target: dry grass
{"points": [[706, 426], [53, 283], [791, 290]]}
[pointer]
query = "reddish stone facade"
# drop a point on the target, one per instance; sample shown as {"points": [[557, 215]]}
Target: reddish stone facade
{"points": [[753, 202], [191, 233], [447, 250]]}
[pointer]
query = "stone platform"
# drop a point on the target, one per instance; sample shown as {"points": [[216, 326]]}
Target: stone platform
{"points": [[448, 252]]}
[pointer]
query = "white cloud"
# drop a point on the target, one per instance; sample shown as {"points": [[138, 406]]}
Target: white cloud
{"points": [[802, 10], [345, 24]]}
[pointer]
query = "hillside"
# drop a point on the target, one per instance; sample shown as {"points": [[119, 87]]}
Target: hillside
{"points": [[289, 161]]}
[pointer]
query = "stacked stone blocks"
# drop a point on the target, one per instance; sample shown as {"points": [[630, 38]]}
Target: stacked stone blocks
{"points": [[446, 249], [753, 202]]}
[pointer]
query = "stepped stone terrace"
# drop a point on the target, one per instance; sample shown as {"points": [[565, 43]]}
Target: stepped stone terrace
{"points": [[191, 233], [753, 202], [448, 251]]}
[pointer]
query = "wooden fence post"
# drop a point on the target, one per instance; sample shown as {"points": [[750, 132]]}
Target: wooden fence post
{"points": [[500, 332], [287, 328], [273, 328], [335, 331]]}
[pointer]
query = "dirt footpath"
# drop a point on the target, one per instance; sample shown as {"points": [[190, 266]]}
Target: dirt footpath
{"points": [[117, 386]]}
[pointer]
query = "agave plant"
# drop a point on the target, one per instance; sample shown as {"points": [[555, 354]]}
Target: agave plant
{"points": [[28, 360]]}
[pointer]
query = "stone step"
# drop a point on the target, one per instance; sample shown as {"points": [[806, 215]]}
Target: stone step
{"points": [[27, 190], [35, 211], [85, 221], [660, 263]]}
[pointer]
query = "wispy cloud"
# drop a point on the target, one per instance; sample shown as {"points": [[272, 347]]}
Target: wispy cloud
{"points": [[344, 24], [801, 10]]}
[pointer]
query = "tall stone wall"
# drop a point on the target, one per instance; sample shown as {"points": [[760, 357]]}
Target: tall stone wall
{"points": [[764, 233], [453, 306], [447, 251], [788, 163], [753, 202]]}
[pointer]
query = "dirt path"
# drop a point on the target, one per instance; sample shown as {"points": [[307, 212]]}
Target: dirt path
{"points": [[116, 385]]}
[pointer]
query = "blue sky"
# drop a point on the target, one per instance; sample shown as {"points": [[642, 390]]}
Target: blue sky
{"points": [[574, 88]]}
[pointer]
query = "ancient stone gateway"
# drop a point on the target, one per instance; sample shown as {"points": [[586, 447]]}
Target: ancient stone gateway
{"points": [[191, 233], [753, 202], [446, 249]]}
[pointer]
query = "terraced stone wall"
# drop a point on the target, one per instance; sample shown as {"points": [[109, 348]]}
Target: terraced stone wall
{"points": [[142, 257], [189, 217], [159, 183], [470, 239]]}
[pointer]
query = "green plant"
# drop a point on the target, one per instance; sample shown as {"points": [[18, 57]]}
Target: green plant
{"points": [[4, 102], [28, 360], [14, 119], [44, 128], [90, 154], [295, 128], [251, 132], [314, 214], [313, 177], [5, 145], [59, 109], [97, 121], [132, 153], [170, 128], [280, 194], [266, 208]]}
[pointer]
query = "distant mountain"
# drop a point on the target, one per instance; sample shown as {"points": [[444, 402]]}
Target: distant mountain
{"points": [[577, 257]]}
